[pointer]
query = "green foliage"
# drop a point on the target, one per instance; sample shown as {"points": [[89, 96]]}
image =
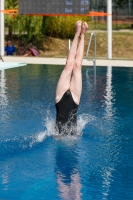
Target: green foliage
{"points": [[61, 27], [9, 21], [10, 4], [121, 3], [31, 25]]}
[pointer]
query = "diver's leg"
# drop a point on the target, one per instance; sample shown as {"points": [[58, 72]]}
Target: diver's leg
{"points": [[64, 81], [76, 81]]}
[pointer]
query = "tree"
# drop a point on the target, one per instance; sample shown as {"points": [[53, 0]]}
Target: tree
{"points": [[32, 25], [10, 4], [62, 26], [121, 3]]}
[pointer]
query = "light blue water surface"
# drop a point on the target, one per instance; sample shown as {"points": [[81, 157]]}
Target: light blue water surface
{"points": [[96, 164]]}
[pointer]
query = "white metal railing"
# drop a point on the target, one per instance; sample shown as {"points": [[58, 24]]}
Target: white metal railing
{"points": [[87, 52]]}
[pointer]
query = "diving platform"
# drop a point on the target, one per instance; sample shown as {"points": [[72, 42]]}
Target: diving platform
{"points": [[8, 65]]}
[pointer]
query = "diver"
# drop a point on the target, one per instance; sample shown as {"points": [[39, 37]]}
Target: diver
{"points": [[69, 86]]}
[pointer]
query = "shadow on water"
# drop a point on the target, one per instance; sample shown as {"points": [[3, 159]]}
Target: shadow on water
{"points": [[66, 170]]}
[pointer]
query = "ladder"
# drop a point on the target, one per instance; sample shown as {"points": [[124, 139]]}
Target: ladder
{"points": [[87, 52]]}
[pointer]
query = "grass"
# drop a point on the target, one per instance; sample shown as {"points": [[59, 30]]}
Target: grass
{"points": [[122, 47], [116, 25]]}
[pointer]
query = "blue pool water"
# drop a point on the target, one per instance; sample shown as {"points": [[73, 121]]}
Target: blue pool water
{"points": [[96, 164]]}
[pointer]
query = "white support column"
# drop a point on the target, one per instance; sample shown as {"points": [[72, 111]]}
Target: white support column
{"points": [[109, 28], [1, 28]]}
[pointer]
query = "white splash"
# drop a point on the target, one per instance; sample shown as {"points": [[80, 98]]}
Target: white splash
{"points": [[82, 121], [41, 136], [49, 124], [19, 143]]}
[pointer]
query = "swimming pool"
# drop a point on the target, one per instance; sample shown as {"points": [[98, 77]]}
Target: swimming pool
{"points": [[98, 164]]}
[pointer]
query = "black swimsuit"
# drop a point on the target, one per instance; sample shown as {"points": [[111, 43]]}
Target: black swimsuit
{"points": [[66, 114]]}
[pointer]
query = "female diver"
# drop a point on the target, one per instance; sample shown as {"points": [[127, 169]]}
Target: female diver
{"points": [[69, 86]]}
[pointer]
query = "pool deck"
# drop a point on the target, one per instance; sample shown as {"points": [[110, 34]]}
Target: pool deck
{"points": [[62, 61]]}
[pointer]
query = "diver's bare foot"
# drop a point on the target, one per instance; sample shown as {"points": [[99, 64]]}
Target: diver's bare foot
{"points": [[78, 27], [84, 28]]}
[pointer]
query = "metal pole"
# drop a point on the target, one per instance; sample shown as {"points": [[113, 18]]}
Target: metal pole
{"points": [[69, 44], [109, 28], [1, 28]]}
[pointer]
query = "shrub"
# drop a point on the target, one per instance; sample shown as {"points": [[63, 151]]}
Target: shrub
{"points": [[61, 27]]}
